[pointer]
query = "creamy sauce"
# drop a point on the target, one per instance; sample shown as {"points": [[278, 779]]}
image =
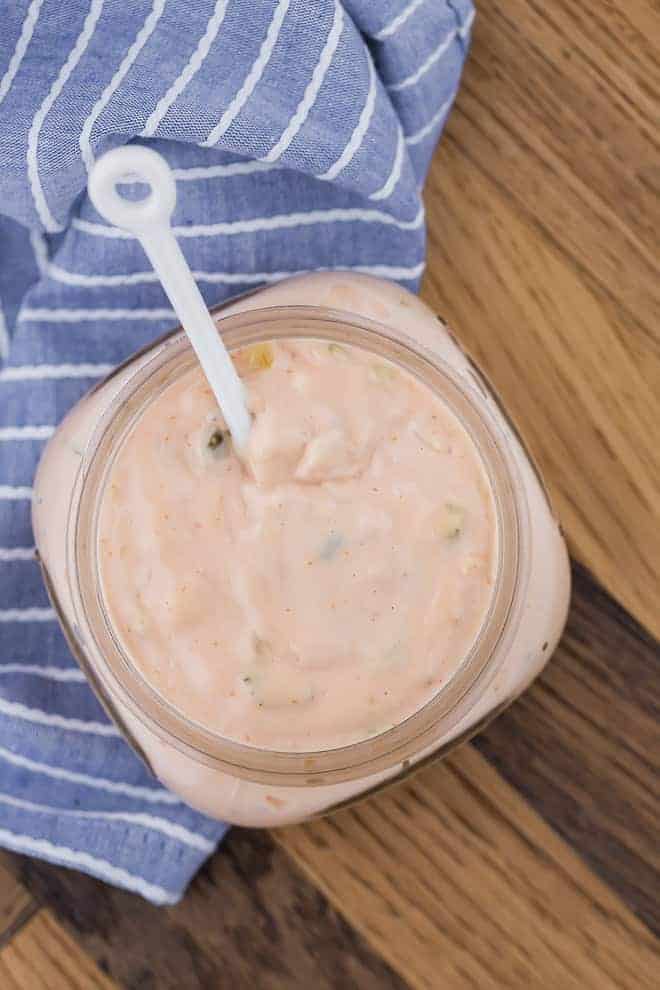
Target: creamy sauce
{"points": [[327, 588]]}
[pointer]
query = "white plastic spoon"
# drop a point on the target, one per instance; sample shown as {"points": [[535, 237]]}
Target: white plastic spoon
{"points": [[149, 220]]}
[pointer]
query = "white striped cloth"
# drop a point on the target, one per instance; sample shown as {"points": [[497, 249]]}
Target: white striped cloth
{"points": [[300, 133]]}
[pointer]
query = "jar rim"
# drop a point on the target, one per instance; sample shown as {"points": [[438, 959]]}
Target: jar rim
{"points": [[106, 659]]}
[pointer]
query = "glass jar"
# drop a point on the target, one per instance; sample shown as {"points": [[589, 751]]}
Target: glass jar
{"points": [[240, 783]]}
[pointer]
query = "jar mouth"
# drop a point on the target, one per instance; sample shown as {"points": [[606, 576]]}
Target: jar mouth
{"points": [[119, 677]]}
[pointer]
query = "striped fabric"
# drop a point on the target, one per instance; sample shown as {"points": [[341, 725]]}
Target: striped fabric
{"points": [[300, 133]]}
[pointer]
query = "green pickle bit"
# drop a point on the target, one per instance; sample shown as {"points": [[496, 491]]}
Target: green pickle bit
{"points": [[453, 521], [333, 543], [219, 443], [216, 440], [263, 681], [383, 374], [338, 351]]}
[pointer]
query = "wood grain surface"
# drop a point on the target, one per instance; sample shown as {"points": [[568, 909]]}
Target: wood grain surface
{"points": [[42, 956], [583, 746], [16, 905], [457, 882], [529, 859], [250, 920]]}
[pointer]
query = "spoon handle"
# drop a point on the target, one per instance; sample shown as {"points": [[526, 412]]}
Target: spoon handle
{"points": [[149, 220]]}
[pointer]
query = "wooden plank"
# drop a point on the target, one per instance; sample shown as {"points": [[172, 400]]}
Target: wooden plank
{"points": [[16, 905], [250, 920], [559, 108], [458, 883], [583, 746], [42, 956], [586, 402]]}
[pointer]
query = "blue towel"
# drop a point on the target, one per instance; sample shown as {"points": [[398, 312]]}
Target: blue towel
{"points": [[300, 132]]}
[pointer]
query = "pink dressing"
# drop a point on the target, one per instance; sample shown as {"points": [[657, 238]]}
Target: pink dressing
{"points": [[325, 590]]}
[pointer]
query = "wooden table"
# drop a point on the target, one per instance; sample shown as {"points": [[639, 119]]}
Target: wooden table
{"points": [[526, 859]]}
